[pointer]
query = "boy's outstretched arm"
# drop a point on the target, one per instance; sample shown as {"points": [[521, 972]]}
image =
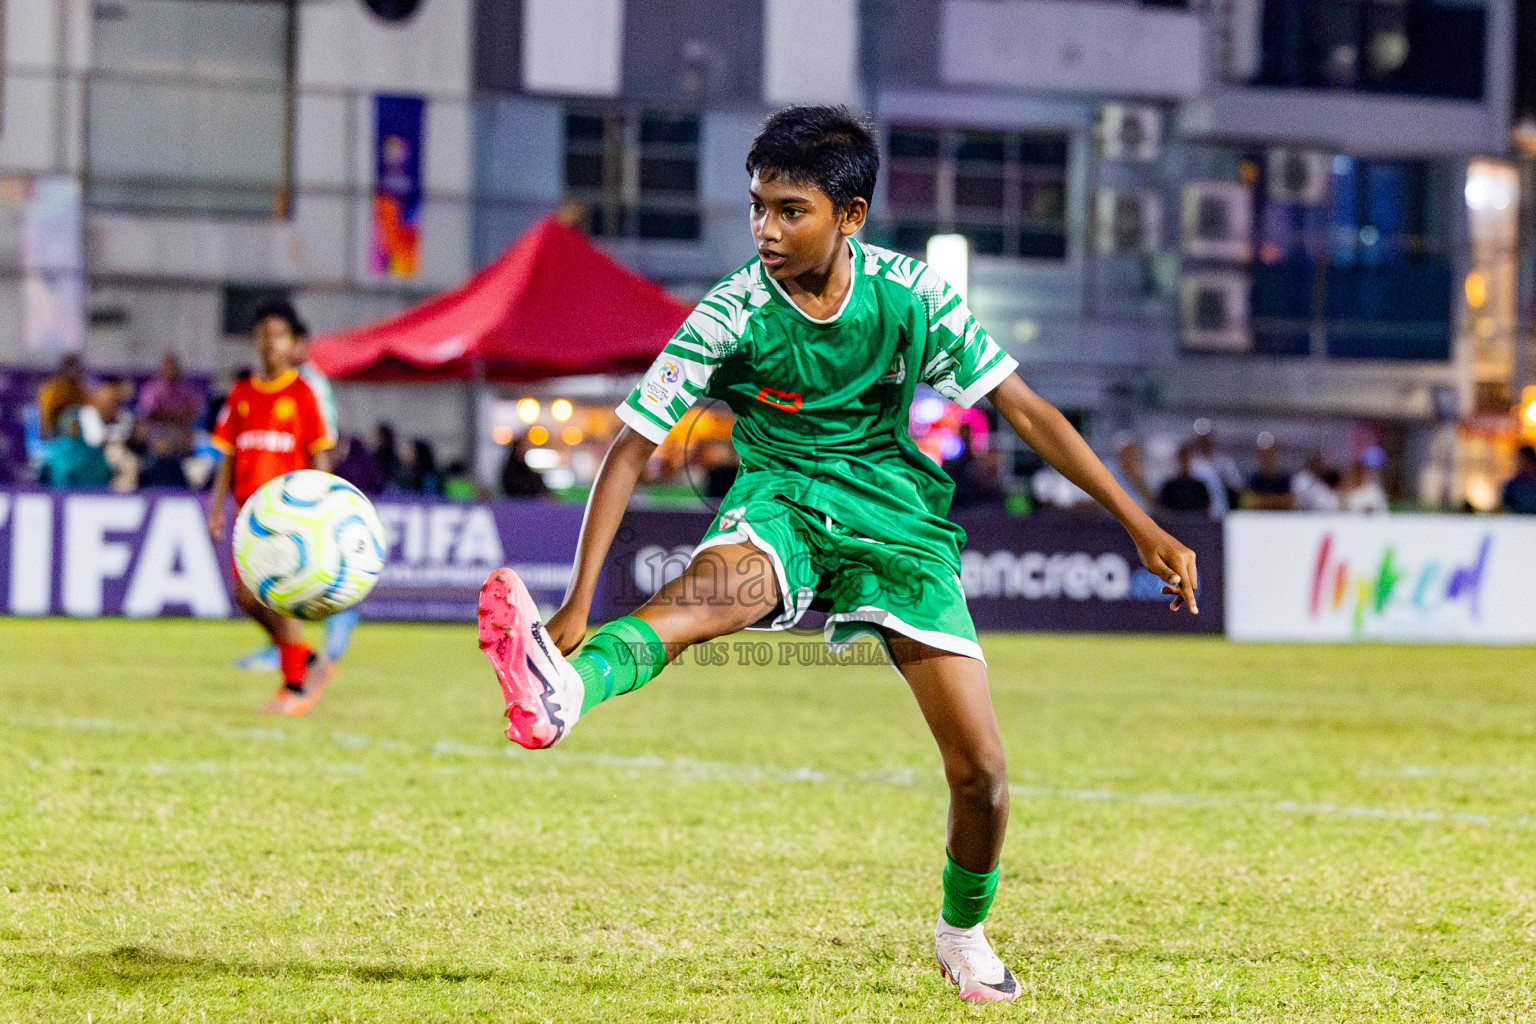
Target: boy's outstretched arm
{"points": [[1042, 426], [611, 490]]}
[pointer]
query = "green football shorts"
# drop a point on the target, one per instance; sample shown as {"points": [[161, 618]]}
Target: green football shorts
{"points": [[860, 582]]}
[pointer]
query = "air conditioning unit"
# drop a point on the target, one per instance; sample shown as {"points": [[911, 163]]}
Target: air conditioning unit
{"points": [[1298, 177], [1215, 311], [1129, 132], [1218, 221], [1128, 221]]}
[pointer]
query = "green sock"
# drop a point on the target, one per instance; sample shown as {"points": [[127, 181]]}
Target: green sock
{"points": [[622, 656], [967, 895]]}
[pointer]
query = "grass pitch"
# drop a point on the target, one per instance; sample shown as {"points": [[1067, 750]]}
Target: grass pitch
{"points": [[1200, 831]]}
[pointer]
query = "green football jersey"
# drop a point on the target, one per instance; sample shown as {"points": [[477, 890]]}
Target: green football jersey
{"points": [[822, 405]]}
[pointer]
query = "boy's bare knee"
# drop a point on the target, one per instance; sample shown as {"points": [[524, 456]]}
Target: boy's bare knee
{"points": [[980, 780]]}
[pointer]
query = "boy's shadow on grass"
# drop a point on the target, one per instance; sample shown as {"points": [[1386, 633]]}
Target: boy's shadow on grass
{"points": [[131, 966]]}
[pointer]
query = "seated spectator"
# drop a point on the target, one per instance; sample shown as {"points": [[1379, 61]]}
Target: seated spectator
{"points": [[1364, 492], [1130, 471], [1184, 493], [1216, 469], [386, 454], [1052, 490], [458, 483], [421, 473], [1270, 486], [59, 392], [974, 474], [70, 460], [10, 471], [1316, 488], [356, 465], [517, 480], [169, 410], [106, 423], [1520, 490]]}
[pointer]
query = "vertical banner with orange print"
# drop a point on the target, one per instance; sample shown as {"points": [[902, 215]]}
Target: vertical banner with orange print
{"points": [[396, 248]]}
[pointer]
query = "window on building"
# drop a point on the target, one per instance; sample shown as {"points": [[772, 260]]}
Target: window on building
{"points": [[1005, 191], [1361, 262], [1419, 47], [637, 172], [190, 106]]}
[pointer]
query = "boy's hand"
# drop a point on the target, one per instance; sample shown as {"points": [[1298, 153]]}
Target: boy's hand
{"points": [[568, 627], [1173, 563], [216, 524]]}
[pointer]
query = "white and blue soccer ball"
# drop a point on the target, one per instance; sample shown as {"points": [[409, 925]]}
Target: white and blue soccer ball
{"points": [[309, 544]]}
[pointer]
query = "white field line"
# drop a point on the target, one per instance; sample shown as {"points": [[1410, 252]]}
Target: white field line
{"points": [[689, 769]]}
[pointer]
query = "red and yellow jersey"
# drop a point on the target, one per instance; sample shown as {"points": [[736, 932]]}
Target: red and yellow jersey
{"points": [[269, 428]]}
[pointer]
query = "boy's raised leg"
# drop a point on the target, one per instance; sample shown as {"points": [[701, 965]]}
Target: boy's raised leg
{"points": [[720, 592], [953, 694]]}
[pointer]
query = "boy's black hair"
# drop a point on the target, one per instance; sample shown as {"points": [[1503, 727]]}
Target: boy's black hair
{"points": [[831, 148], [284, 311]]}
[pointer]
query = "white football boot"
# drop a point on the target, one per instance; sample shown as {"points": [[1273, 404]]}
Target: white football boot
{"points": [[542, 689], [966, 958]]}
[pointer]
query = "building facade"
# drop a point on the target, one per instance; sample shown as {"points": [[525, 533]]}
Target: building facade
{"points": [[1291, 215]]}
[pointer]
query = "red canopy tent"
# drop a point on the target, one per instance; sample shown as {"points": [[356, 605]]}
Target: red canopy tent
{"points": [[552, 305]]}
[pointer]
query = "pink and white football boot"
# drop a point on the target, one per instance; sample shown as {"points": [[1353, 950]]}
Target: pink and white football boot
{"points": [[966, 958], [542, 689]]}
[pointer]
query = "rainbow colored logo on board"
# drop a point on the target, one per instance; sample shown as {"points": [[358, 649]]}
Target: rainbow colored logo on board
{"points": [[1370, 590]]}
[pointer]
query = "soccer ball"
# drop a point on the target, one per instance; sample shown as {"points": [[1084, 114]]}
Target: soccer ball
{"points": [[309, 544]]}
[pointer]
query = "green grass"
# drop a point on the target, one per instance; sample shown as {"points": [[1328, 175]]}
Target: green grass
{"points": [[1200, 831]]}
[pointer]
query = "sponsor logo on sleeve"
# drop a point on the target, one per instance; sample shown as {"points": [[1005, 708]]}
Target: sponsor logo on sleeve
{"points": [[662, 383]]}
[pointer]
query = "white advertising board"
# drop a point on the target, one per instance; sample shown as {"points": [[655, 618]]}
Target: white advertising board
{"points": [[1337, 578]]}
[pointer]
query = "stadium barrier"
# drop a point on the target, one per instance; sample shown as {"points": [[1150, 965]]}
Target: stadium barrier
{"points": [[1426, 578], [1267, 576], [1051, 571]]}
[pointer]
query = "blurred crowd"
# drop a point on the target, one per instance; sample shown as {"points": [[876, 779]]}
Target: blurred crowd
{"points": [[107, 431], [111, 432]]}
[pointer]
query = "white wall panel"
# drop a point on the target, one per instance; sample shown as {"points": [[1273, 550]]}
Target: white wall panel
{"points": [[321, 142], [447, 159], [811, 51], [343, 46], [1068, 46], [31, 34], [573, 47], [27, 138]]}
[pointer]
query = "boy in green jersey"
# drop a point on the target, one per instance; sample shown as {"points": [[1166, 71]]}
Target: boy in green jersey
{"points": [[818, 345]]}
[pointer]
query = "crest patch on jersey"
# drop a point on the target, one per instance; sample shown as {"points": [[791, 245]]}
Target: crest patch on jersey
{"points": [[896, 373]]}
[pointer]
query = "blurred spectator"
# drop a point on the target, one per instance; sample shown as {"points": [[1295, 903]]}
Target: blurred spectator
{"points": [[1130, 471], [1184, 492], [1052, 490], [1217, 470], [517, 480], [1316, 487], [169, 411], [71, 461], [1270, 486], [973, 472], [356, 465], [1363, 492], [420, 468], [459, 483], [386, 453], [1520, 490], [59, 392], [9, 471], [106, 423]]}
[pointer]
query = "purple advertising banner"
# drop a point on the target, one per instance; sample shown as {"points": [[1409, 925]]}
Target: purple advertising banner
{"points": [[89, 554], [1051, 571]]}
